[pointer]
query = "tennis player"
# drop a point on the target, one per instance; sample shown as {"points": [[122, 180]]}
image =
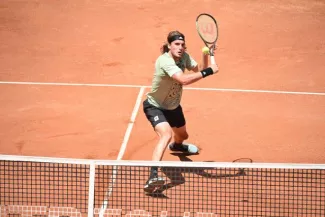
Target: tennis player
{"points": [[162, 106]]}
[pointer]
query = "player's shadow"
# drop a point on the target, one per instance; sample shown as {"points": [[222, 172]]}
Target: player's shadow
{"points": [[175, 175]]}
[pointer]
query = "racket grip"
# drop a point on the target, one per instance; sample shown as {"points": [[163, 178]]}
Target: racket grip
{"points": [[212, 60]]}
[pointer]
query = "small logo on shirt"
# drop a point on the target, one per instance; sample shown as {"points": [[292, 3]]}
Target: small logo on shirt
{"points": [[156, 118]]}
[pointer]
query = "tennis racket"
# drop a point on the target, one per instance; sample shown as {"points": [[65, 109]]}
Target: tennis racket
{"points": [[207, 29], [242, 160]]}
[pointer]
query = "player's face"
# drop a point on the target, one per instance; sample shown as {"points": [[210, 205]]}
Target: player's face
{"points": [[177, 48]]}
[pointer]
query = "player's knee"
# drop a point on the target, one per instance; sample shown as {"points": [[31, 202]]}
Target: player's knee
{"points": [[164, 131], [166, 136]]}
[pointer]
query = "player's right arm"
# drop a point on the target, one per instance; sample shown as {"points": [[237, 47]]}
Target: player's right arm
{"points": [[200, 71], [186, 79], [169, 67]]}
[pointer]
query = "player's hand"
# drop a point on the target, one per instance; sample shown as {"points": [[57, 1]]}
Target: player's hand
{"points": [[214, 68]]}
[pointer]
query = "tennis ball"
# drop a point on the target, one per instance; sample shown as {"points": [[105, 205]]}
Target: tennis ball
{"points": [[205, 50]]}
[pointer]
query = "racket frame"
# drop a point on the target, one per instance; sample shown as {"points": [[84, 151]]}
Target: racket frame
{"points": [[210, 45]]}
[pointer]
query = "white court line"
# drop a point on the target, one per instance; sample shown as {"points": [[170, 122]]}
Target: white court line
{"points": [[130, 125], [122, 151], [258, 91], [70, 84], [186, 88]]}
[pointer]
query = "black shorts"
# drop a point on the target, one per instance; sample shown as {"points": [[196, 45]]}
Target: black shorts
{"points": [[155, 115]]}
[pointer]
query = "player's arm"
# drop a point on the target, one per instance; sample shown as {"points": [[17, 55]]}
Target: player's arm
{"points": [[186, 79], [200, 71]]}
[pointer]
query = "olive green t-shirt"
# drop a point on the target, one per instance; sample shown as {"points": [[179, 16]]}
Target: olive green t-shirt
{"points": [[166, 92]]}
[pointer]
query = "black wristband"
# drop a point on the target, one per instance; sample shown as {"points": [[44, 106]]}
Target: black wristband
{"points": [[206, 72]]}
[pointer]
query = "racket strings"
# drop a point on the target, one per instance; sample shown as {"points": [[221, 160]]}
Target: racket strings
{"points": [[207, 28]]}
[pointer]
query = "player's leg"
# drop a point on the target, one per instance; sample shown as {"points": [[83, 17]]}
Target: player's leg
{"points": [[180, 134], [164, 132], [177, 121], [162, 128]]}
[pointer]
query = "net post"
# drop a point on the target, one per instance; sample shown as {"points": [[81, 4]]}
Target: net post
{"points": [[91, 191]]}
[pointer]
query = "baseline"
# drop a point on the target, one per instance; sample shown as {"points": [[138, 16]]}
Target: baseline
{"points": [[146, 86]]}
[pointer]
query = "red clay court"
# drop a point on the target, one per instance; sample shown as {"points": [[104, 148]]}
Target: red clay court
{"points": [[74, 74]]}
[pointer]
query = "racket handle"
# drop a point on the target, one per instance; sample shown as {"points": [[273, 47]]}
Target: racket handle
{"points": [[212, 60], [212, 48]]}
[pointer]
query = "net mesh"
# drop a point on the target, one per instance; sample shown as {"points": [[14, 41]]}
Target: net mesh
{"points": [[207, 28], [24, 184], [206, 189]]}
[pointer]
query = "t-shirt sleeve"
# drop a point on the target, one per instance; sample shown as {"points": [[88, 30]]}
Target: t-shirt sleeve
{"points": [[171, 68], [190, 62]]}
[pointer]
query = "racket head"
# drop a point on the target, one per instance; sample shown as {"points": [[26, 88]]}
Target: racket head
{"points": [[243, 160], [207, 28], [242, 171]]}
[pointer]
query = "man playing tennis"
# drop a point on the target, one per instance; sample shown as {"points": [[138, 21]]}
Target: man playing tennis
{"points": [[162, 106]]}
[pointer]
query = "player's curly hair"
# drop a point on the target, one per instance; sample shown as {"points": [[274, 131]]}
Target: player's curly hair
{"points": [[164, 48]]}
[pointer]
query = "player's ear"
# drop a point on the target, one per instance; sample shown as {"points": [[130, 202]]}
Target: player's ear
{"points": [[168, 46]]}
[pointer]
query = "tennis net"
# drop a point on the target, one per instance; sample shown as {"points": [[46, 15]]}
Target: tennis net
{"points": [[38, 186]]}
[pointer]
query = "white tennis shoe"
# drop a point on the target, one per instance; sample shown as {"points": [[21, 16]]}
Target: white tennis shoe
{"points": [[153, 183], [185, 148]]}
